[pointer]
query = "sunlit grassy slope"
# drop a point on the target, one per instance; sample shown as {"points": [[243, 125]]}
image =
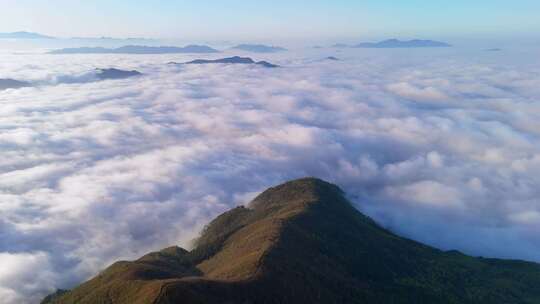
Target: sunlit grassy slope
{"points": [[302, 242]]}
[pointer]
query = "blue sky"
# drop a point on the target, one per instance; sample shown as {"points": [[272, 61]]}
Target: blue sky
{"points": [[278, 19]]}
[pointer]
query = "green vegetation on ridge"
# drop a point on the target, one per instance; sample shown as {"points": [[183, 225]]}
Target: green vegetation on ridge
{"points": [[303, 242]]}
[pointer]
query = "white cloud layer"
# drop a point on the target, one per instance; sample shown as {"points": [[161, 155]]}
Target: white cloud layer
{"points": [[438, 145]]}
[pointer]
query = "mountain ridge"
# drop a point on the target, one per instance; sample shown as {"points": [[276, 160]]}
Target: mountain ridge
{"points": [[8, 83], [259, 48], [24, 35], [112, 73], [304, 242], [395, 43], [138, 49], [230, 60]]}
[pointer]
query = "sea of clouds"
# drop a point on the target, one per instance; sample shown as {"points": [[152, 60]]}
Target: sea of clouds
{"points": [[442, 146]]}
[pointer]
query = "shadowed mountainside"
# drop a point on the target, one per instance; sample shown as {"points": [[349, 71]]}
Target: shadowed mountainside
{"points": [[303, 242]]}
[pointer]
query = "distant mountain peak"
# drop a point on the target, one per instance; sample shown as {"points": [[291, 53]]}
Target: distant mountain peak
{"points": [[396, 43], [259, 48], [8, 83], [139, 49], [112, 73], [231, 60], [23, 35]]}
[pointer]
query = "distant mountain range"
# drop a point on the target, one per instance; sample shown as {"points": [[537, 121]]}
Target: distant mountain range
{"points": [[111, 39], [341, 45], [395, 43], [30, 35], [23, 35], [105, 74], [258, 48], [100, 74], [13, 84], [139, 49], [303, 242], [231, 60]]}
